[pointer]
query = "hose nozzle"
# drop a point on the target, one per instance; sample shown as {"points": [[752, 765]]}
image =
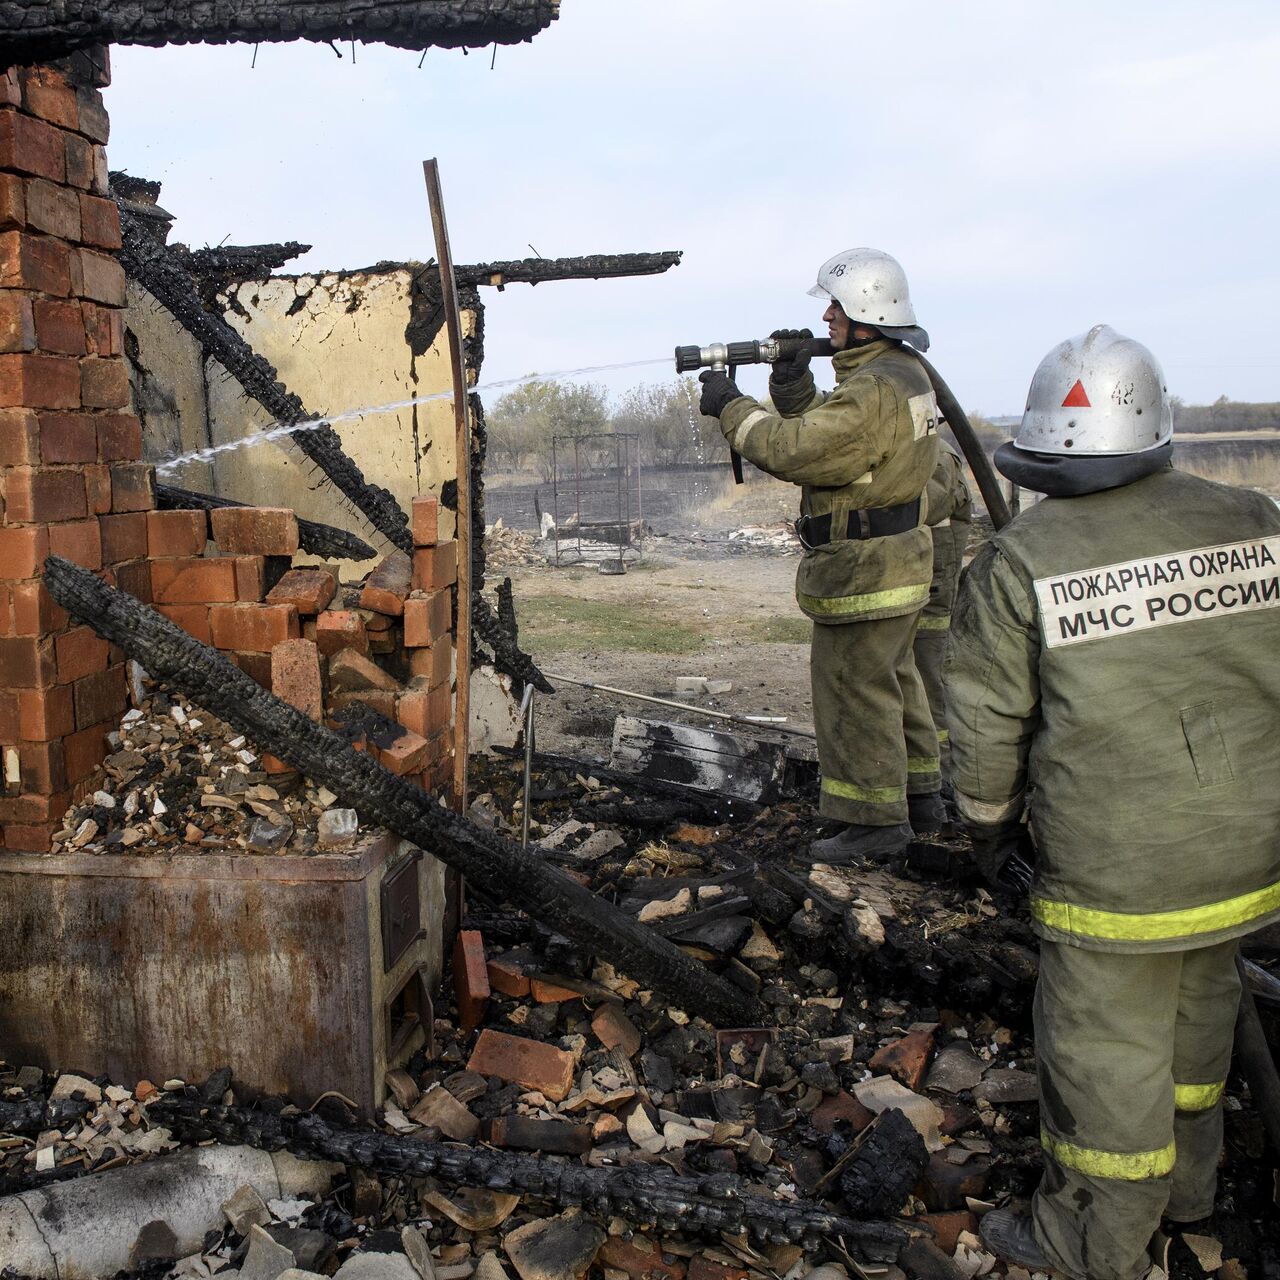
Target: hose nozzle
{"points": [[720, 355]]}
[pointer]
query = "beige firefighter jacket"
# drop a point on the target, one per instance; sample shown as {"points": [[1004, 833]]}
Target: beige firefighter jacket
{"points": [[1115, 657], [870, 442], [950, 518]]}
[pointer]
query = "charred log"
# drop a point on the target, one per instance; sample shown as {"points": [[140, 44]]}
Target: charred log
{"points": [[35, 1115], [706, 1206], [497, 867], [40, 30], [215, 270], [158, 270], [596, 266], [315, 538]]}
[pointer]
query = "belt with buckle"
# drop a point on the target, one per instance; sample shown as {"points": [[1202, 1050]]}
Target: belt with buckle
{"points": [[872, 522]]}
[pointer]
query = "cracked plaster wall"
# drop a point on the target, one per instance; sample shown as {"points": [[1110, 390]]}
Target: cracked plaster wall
{"points": [[338, 341]]}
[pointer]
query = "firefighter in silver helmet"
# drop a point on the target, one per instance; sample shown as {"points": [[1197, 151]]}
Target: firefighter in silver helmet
{"points": [[863, 454], [1113, 695]]}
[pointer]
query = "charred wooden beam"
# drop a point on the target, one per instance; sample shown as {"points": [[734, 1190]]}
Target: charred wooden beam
{"points": [[596, 266], [315, 538], [35, 1115], [161, 273], [498, 867], [706, 1206], [39, 30]]}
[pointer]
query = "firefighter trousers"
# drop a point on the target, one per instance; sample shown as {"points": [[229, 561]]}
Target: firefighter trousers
{"points": [[1133, 1051], [930, 647], [876, 740]]}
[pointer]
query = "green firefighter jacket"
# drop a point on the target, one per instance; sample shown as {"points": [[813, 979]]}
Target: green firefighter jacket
{"points": [[1114, 656], [871, 442]]}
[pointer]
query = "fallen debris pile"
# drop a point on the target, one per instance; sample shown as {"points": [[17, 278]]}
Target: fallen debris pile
{"points": [[507, 548]]}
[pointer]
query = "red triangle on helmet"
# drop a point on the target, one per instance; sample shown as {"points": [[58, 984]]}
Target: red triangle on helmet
{"points": [[1076, 398]]}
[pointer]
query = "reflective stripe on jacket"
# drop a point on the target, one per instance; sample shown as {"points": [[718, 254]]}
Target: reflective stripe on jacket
{"points": [[871, 442], [1116, 654]]}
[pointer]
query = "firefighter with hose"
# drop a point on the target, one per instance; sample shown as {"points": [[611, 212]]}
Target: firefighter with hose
{"points": [[1111, 676], [862, 454]]}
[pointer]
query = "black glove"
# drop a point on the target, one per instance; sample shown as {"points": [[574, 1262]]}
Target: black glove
{"points": [[795, 367], [1003, 854], [718, 391]]}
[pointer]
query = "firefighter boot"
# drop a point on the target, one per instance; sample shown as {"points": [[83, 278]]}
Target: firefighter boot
{"points": [[1012, 1238], [927, 813], [856, 841]]}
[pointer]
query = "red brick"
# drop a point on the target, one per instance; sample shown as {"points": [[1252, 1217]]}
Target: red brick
{"points": [[80, 652], [79, 162], [103, 329], [68, 437], [97, 488], [104, 383], [43, 767], [547, 992], [615, 1030], [26, 662], [406, 755], [10, 89], [34, 262], [383, 702], [13, 202], [904, 1059], [536, 1066], [22, 551], [352, 672], [100, 697], [507, 977], [338, 629], [426, 711], [427, 618], [250, 578], [257, 628], [435, 567], [31, 146], [17, 322], [308, 590], [37, 495], [388, 585], [840, 1106], [19, 438], [947, 1227], [295, 676], [193, 580], [439, 745], [439, 780], [46, 713], [47, 94], [257, 666], [257, 531], [79, 541], [34, 806], [426, 521], [101, 277], [86, 750], [9, 717], [99, 222], [60, 327], [176, 533], [40, 382], [432, 666], [637, 1263], [131, 487], [119, 437], [470, 979], [35, 612], [192, 618], [95, 124], [101, 184], [703, 1268], [124, 537], [53, 209], [29, 837], [135, 578]]}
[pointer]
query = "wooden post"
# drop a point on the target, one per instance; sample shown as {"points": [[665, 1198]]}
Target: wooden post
{"points": [[462, 421]]}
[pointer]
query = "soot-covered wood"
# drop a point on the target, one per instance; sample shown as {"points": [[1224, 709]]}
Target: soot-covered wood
{"points": [[499, 868]]}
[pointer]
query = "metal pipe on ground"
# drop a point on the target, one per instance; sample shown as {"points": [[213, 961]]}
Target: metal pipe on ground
{"points": [[86, 1227], [761, 723]]}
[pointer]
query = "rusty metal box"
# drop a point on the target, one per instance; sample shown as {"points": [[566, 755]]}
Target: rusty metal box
{"points": [[302, 973]]}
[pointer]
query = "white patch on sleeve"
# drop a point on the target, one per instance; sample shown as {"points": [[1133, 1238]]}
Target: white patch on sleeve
{"points": [[743, 430], [924, 414], [988, 814], [1185, 586]]}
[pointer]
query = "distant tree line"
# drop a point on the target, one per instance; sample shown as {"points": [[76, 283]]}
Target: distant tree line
{"points": [[1225, 415]]}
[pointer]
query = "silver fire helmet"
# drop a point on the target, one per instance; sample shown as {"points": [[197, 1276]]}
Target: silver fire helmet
{"points": [[870, 286], [1094, 395]]}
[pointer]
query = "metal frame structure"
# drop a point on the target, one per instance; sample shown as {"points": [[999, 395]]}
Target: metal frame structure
{"points": [[621, 481]]}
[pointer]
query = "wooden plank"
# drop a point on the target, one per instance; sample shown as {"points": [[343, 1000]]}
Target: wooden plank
{"points": [[704, 759]]}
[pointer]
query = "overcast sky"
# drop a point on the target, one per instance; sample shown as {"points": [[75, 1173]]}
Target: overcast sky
{"points": [[1037, 167]]}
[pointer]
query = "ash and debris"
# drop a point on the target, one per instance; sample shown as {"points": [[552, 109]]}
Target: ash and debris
{"points": [[900, 993], [178, 779]]}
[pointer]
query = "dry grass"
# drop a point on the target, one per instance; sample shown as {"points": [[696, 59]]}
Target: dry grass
{"points": [[1261, 473]]}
